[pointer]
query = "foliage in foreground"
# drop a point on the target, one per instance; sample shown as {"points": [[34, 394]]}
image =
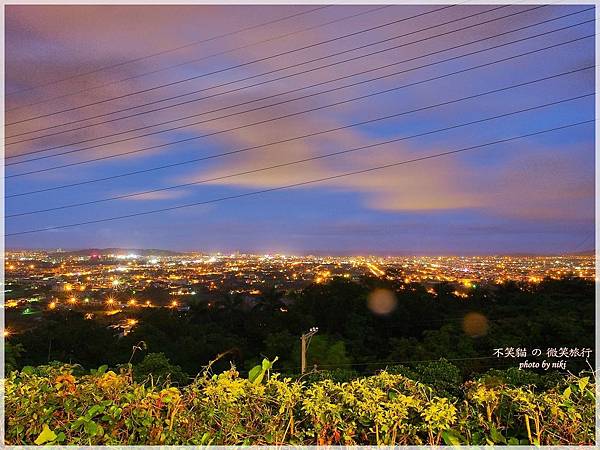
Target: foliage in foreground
{"points": [[49, 405]]}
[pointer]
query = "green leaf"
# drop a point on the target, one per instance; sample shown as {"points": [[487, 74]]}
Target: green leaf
{"points": [[90, 428], [94, 410], [256, 374], [451, 438], [267, 365], [513, 441], [205, 438], [477, 438], [47, 435], [583, 382], [101, 369], [567, 393], [79, 422], [497, 436], [28, 370]]}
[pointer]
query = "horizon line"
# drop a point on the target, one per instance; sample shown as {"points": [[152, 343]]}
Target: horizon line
{"points": [[588, 252]]}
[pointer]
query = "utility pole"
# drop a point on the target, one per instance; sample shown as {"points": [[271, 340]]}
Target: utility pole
{"points": [[304, 341]]}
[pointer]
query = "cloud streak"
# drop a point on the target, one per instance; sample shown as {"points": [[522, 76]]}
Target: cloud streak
{"points": [[533, 182]]}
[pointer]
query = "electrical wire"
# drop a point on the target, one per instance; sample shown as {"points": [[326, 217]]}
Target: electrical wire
{"points": [[224, 52], [265, 120], [278, 69], [237, 66], [314, 158], [162, 52], [281, 93], [294, 185]]}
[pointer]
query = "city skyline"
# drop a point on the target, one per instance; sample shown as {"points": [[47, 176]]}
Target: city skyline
{"points": [[263, 252], [532, 195]]}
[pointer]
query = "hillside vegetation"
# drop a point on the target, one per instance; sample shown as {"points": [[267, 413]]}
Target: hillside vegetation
{"points": [[51, 405]]}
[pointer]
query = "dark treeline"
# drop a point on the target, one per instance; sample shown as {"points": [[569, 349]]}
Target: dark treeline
{"points": [[423, 326]]}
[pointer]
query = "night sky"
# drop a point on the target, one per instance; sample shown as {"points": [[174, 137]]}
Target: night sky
{"points": [[532, 195]]}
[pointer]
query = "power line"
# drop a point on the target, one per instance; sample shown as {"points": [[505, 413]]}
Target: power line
{"points": [[261, 75], [299, 184], [283, 93], [265, 120], [581, 244], [230, 91], [237, 66], [224, 52], [314, 158], [162, 52]]}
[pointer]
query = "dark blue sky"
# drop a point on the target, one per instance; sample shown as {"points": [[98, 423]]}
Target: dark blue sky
{"points": [[534, 195]]}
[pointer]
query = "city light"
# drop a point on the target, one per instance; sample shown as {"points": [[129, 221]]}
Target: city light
{"points": [[300, 225], [250, 276]]}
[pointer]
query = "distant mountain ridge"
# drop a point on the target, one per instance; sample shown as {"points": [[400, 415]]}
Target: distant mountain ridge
{"points": [[159, 252], [120, 251]]}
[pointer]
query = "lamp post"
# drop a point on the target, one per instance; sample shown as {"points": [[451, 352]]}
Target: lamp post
{"points": [[305, 340]]}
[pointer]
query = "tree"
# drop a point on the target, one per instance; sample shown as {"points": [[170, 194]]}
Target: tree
{"points": [[158, 366], [324, 352], [12, 352]]}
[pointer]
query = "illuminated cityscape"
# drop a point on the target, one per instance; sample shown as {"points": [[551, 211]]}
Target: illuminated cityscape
{"points": [[294, 224], [113, 285]]}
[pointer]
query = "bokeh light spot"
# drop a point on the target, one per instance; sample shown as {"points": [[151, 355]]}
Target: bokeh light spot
{"points": [[475, 324], [382, 301]]}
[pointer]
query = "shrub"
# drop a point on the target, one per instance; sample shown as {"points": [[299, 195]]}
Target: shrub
{"points": [[159, 369], [50, 405], [516, 377], [337, 375], [442, 376]]}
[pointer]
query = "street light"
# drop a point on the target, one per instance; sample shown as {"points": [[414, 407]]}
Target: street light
{"points": [[305, 341]]}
